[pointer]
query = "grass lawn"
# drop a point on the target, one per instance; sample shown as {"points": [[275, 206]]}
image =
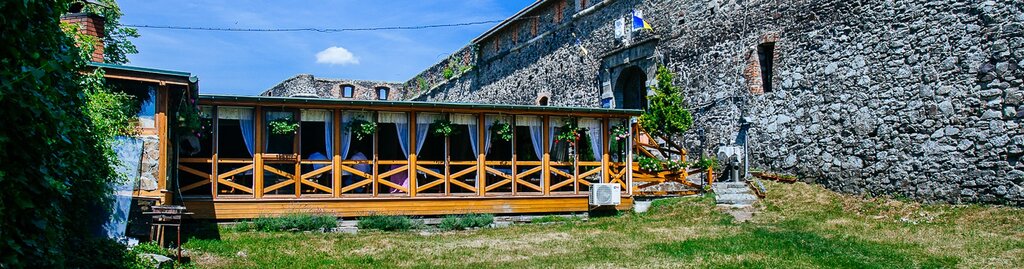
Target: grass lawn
{"points": [[798, 226]]}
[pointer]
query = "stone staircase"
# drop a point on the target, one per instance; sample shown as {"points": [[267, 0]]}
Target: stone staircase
{"points": [[733, 194]]}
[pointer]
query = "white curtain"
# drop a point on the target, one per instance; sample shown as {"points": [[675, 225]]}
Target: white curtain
{"points": [[244, 117], [401, 121], [423, 121], [536, 132], [471, 128], [320, 115], [594, 132], [553, 123], [346, 136]]}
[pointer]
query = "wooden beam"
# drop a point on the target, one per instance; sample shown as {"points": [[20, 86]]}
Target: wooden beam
{"points": [[605, 145], [162, 138], [258, 174], [336, 137], [481, 159], [547, 156], [411, 178]]}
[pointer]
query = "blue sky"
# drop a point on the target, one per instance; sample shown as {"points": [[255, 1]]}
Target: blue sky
{"points": [[247, 63]]}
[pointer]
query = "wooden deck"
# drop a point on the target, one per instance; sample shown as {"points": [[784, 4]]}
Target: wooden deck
{"points": [[226, 209]]}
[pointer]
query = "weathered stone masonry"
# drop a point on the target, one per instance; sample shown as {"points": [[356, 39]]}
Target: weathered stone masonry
{"points": [[912, 98]]}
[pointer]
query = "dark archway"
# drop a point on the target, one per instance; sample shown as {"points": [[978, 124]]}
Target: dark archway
{"points": [[631, 89]]}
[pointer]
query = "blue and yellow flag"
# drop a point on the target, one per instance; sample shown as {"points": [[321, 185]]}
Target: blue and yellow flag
{"points": [[639, 22]]}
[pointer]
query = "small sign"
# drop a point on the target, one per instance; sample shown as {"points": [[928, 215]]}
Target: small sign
{"points": [[620, 28]]}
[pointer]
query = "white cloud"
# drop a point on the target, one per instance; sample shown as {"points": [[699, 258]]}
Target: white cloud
{"points": [[336, 55]]}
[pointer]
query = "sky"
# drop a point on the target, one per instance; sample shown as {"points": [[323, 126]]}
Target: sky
{"points": [[247, 63]]}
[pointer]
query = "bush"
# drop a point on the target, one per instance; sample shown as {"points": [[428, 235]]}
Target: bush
{"points": [[456, 222], [292, 222], [387, 223]]}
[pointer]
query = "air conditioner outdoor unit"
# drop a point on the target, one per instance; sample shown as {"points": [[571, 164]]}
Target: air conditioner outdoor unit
{"points": [[605, 194]]}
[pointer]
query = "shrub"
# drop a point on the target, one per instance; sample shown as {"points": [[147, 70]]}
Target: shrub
{"points": [[386, 223], [457, 222], [297, 222]]}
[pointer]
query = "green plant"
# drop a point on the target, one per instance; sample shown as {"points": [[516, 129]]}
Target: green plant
{"points": [[387, 223], [704, 163], [666, 116], [442, 127], [424, 85], [361, 128], [650, 164], [462, 222], [619, 132], [56, 176], [448, 72], [569, 132], [291, 222], [284, 126], [502, 130]]}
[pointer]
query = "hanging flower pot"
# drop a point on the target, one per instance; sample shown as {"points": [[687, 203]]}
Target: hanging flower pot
{"points": [[502, 130], [284, 126], [361, 128], [442, 127]]}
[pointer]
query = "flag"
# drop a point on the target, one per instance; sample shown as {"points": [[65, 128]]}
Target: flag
{"points": [[639, 22], [579, 43]]}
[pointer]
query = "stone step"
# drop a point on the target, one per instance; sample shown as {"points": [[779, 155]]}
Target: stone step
{"points": [[730, 185], [735, 199], [731, 191]]}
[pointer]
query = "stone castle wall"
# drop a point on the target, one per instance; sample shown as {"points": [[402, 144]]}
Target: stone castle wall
{"points": [[912, 98]]}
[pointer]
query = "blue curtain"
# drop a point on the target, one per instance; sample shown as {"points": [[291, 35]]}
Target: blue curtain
{"points": [[245, 122], [328, 131]]}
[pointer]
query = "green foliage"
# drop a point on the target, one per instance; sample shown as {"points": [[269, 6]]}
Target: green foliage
{"points": [[191, 120], [291, 222], [284, 126], [387, 223], [361, 128], [666, 115], [56, 173], [442, 127], [569, 131], [462, 222], [424, 85], [448, 73], [650, 164], [116, 39], [502, 130], [706, 162]]}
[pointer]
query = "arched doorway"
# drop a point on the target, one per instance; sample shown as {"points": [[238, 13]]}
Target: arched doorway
{"points": [[631, 89]]}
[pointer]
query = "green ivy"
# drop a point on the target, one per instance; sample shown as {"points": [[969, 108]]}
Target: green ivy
{"points": [[361, 128], [59, 123]]}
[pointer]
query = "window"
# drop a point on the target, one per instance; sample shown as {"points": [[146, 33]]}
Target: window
{"points": [[515, 34], [347, 91], [581, 5], [496, 44], [542, 101], [766, 59], [382, 93], [534, 25]]}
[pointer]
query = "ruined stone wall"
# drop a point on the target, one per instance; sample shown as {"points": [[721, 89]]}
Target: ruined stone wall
{"points": [[914, 98]]}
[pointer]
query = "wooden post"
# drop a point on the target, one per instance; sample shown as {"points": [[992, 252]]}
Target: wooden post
{"points": [[412, 155], [711, 176], [257, 162], [576, 163], [216, 150], [481, 172], [162, 132], [447, 162], [545, 163], [605, 144], [375, 148], [298, 155], [515, 170], [336, 163]]}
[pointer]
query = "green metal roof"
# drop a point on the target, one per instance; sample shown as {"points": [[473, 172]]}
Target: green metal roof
{"points": [[436, 105], [140, 69]]}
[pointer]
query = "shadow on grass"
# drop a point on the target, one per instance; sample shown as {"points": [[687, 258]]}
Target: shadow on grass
{"points": [[788, 248]]}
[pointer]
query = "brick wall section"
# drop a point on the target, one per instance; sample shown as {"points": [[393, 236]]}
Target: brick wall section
{"points": [[90, 24], [916, 98]]}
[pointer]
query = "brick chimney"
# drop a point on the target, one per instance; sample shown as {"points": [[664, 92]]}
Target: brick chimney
{"points": [[88, 23]]}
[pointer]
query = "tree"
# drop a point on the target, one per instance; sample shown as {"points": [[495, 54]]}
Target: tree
{"points": [[667, 117], [56, 169]]}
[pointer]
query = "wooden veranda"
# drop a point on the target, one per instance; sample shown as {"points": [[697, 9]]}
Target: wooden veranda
{"points": [[499, 159]]}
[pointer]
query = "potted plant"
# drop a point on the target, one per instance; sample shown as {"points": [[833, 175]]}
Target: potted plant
{"points": [[502, 130], [361, 128], [284, 126], [442, 127]]}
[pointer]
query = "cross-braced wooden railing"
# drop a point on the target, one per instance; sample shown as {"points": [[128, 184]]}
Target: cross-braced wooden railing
{"points": [[645, 181]]}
